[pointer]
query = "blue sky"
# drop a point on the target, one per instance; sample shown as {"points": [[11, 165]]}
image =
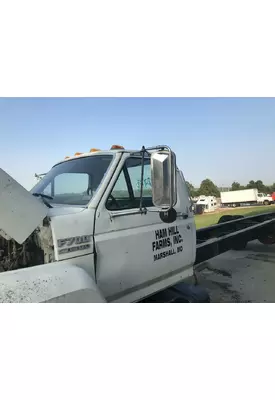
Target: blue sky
{"points": [[221, 139]]}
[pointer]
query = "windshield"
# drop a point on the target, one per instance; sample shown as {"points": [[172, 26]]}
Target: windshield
{"points": [[74, 182]]}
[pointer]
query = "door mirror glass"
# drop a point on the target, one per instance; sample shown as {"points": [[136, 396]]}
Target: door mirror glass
{"points": [[163, 177]]}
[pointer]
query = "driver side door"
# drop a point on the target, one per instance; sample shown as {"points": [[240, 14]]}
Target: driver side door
{"points": [[138, 253]]}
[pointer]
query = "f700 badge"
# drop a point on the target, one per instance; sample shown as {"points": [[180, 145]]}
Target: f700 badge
{"points": [[76, 243]]}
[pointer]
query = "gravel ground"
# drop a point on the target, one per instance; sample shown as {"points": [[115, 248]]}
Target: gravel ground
{"points": [[241, 276]]}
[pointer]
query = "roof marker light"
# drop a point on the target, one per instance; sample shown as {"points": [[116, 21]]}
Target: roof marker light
{"points": [[117, 147]]}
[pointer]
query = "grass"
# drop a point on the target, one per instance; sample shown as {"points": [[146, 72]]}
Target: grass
{"points": [[213, 218]]}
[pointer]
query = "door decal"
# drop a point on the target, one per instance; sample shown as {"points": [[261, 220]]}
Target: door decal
{"points": [[169, 239]]}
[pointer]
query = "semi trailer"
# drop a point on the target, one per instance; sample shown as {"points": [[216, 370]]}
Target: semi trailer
{"points": [[111, 226]]}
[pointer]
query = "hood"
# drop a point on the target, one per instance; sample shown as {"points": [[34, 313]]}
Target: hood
{"points": [[64, 210], [20, 212]]}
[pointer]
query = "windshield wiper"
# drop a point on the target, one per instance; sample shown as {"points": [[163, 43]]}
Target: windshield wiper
{"points": [[44, 197]]}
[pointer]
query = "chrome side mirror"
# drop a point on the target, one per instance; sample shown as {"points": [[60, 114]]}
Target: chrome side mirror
{"points": [[164, 179]]}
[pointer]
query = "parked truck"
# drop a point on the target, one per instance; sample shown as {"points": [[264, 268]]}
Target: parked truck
{"points": [[245, 197], [111, 226]]}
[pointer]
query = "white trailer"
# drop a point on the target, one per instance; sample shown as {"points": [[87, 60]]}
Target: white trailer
{"points": [[244, 197], [209, 203]]}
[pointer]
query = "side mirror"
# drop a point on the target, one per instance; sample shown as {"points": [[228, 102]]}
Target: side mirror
{"points": [[164, 179]]}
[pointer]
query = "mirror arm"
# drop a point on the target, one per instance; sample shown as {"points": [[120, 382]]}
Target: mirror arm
{"points": [[148, 149], [142, 178]]}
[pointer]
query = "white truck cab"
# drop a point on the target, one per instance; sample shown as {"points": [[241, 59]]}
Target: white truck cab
{"points": [[121, 219], [265, 199]]}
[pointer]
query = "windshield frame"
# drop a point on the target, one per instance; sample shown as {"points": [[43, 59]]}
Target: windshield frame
{"points": [[37, 187]]}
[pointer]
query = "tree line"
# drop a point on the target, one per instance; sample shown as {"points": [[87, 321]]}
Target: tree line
{"points": [[208, 188]]}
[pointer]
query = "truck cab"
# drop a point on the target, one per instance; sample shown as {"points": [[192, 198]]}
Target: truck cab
{"points": [[123, 217], [265, 199]]}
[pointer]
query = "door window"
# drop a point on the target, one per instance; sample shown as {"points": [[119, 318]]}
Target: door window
{"points": [[127, 190]]}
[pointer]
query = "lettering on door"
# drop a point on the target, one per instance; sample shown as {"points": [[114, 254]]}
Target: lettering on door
{"points": [[167, 243]]}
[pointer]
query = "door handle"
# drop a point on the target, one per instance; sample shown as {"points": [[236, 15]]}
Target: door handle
{"points": [[182, 215]]}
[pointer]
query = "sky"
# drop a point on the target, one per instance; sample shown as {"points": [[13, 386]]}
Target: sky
{"points": [[223, 139]]}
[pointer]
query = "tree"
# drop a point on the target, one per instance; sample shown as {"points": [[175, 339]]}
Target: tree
{"points": [[236, 186], [251, 185], [208, 188], [192, 190], [258, 185]]}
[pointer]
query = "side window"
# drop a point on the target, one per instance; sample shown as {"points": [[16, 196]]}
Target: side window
{"points": [[135, 178], [126, 192], [121, 190]]}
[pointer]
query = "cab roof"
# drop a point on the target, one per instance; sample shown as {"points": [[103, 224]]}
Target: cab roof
{"points": [[95, 152]]}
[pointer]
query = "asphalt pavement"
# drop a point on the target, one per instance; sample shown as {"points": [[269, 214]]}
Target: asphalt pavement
{"points": [[246, 276]]}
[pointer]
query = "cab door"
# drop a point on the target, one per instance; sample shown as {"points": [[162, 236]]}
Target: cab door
{"points": [[137, 253]]}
